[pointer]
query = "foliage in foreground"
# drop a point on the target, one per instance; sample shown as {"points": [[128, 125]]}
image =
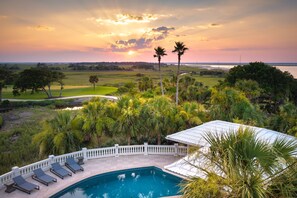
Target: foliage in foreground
{"points": [[240, 165], [138, 120]]}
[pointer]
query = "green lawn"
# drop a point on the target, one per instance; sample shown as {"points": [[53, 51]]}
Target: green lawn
{"points": [[208, 80], [77, 82], [101, 90], [116, 78]]}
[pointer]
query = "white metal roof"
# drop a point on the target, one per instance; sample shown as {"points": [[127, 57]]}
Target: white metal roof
{"points": [[195, 136]]}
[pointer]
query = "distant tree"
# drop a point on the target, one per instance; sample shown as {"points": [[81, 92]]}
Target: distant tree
{"points": [[93, 80], [250, 88], [159, 52], [180, 49], [128, 87], [59, 77], [36, 79], [145, 84], [277, 86], [6, 77]]}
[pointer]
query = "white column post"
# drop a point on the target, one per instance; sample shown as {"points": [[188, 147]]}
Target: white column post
{"points": [[145, 148], [15, 171], [84, 151], [51, 159], [175, 149], [116, 150]]}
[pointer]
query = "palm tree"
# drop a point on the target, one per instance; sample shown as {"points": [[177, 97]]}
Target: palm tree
{"points": [[59, 135], [128, 122], [238, 164], [191, 113], [95, 121], [159, 52], [93, 79], [180, 49], [157, 116]]}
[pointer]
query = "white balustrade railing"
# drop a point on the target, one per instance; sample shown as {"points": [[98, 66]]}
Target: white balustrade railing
{"points": [[115, 151]]}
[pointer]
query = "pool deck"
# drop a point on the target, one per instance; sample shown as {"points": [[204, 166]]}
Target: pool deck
{"points": [[94, 167]]}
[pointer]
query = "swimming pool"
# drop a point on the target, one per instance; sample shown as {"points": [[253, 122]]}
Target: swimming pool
{"points": [[146, 182]]}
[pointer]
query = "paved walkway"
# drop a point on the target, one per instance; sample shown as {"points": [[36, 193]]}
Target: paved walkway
{"points": [[63, 98], [94, 167]]}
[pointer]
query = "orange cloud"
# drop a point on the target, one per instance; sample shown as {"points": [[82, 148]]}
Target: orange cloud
{"points": [[42, 28], [3, 17], [124, 19], [211, 25]]}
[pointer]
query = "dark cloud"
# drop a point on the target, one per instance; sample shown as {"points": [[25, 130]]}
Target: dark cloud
{"points": [[164, 31], [97, 49], [145, 41], [131, 44], [215, 24]]}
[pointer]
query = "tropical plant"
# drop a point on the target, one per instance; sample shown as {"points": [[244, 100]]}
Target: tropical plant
{"points": [[249, 87], [238, 164], [145, 84], [230, 104], [180, 49], [191, 112], [128, 122], [286, 119], [95, 123], [159, 53], [93, 80], [59, 135], [157, 117]]}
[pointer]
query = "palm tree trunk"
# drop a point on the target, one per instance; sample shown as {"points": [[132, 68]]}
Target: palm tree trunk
{"points": [[159, 138], [161, 77], [177, 80], [129, 139]]}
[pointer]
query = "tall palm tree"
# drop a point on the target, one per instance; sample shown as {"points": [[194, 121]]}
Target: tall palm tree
{"points": [[59, 135], [180, 49], [159, 52], [238, 164]]}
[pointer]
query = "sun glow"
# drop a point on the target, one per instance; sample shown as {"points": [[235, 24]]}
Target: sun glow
{"points": [[130, 53]]}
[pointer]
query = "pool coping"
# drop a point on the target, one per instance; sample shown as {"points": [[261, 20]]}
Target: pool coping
{"points": [[94, 167], [122, 171]]}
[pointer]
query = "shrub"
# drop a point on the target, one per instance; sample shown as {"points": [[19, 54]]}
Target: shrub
{"points": [[1, 121]]}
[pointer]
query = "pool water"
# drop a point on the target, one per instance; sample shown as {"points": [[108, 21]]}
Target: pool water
{"points": [[147, 182]]}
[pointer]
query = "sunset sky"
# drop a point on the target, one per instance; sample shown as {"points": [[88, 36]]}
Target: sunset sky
{"points": [[128, 30]]}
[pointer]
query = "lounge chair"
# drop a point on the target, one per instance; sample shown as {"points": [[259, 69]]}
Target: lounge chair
{"points": [[59, 171], [40, 176], [73, 165], [21, 184]]}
